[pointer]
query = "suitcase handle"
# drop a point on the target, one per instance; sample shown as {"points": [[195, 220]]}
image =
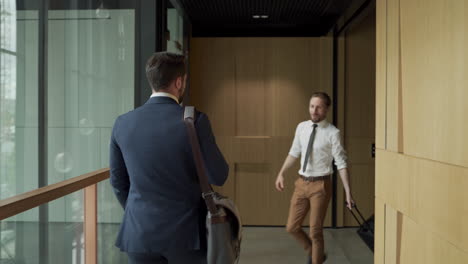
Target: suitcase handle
{"points": [[362, 217]]}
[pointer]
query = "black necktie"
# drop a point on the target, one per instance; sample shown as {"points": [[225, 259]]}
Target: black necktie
{"points": [[309, 147]]}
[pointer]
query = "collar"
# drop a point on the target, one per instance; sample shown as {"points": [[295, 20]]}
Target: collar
{"points": [[163, 94], [320, 124]]}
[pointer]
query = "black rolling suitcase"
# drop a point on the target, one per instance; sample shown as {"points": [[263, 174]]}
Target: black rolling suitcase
{"points": [[366, 228]]}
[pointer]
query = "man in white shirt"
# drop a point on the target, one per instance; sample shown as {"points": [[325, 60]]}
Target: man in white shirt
{"points": [[317, 142]]}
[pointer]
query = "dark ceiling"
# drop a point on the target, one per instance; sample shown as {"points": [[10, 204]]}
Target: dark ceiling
{"points": [[281, 17]]}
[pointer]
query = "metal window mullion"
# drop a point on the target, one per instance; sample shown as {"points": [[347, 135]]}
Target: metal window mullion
{"points": [[42, 129]]}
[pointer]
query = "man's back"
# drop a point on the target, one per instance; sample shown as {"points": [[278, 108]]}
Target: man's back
{"points": [[154, 177]]}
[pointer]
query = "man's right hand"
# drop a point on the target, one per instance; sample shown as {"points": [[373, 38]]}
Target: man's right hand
{"points": [[279, 183]]}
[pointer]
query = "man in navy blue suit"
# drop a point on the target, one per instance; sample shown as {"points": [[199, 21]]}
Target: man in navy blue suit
{"points": [[153, 173]]}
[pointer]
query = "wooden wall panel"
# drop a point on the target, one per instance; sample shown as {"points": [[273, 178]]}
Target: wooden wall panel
{"points": [[218, 103], [406, 241], [393, 76], [213, 82], [379, 235], [420, 245], [422, 169], [391, 236], [359, 113], [250, 181], [381, 74], [392, 184], [256, 91], [431, 193], [435, 79], [251, 89], [363, 182], [295, 74], [326, 67]]}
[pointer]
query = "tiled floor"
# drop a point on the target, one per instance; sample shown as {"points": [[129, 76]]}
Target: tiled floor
{"points": [[262, 245]]}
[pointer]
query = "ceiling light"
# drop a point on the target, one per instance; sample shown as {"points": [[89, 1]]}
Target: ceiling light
{"points": [[264, 16], [256, 16]]}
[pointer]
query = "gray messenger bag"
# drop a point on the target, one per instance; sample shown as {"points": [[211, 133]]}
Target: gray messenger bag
{"points": [[224, 228]]}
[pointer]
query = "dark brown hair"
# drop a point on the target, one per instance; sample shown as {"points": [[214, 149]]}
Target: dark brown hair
{"points": [[324, 96], [163, 68]]}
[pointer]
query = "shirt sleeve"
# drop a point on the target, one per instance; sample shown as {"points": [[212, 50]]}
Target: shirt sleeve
{"points": [[296, 149], [338, 152]]}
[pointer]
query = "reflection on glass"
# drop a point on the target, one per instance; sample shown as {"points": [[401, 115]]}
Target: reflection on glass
{"points": [[90, 83], [7, 243], [18, 103], [7, 97], [63, 162], [86, 126], [102, 12], [90, 67], [175, 25], [20, 235], [18, 121]]}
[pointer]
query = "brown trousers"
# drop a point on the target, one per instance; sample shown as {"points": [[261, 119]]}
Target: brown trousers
{"points": [[313, 196]]}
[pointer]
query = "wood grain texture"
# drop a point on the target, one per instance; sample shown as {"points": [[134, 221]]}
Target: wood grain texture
{"points": [[379, 235], [435, 79], [381, 75], [359, 113], [431, 193], [427, 180], [393, 77], [391, 238], [90, 224], [256, 91], [420, 245], [23, 202]]}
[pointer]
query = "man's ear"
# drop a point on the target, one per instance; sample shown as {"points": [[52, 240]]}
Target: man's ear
{"points": [[178, 82]]}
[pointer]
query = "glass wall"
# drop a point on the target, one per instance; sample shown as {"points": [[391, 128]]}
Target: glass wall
{"points": [[21, 240], [89, 81], [19, 149], [92, 55], [18, 99]]}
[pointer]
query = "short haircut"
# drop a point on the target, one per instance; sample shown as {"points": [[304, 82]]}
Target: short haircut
{"points": [[163, 68], [324, 96]]}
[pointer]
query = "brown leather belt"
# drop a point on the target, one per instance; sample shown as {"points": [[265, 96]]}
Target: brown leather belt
{"points": [[314, 178]]}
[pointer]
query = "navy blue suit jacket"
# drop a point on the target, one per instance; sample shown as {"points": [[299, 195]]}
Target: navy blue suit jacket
{"points": [[154, 177]]}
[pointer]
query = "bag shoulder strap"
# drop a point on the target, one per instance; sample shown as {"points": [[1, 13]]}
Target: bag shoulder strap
{"points": [[207, 192]]}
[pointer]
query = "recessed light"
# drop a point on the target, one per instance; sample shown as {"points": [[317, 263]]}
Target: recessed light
{"points": [[264, 16], [256, 16]]}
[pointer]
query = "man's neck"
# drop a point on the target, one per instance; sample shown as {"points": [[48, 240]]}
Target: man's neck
{"points": [[165, 94]]}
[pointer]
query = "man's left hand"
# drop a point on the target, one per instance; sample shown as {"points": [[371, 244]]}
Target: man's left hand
{"points": [[350, 202]]}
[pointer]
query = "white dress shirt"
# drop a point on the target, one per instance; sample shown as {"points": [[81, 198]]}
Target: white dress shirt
{"points": [[327, 146], [162, 94]]}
